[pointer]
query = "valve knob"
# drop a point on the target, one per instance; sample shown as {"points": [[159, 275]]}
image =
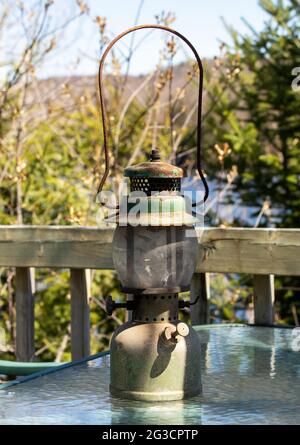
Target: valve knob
{"points": [[110, 305], [175, 333]]}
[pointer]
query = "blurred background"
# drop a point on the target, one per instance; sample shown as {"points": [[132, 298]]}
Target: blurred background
{"points": [[51, 137]]}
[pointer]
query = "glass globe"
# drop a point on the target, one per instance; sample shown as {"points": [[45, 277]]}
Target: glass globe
{"points": [[155, 257]]}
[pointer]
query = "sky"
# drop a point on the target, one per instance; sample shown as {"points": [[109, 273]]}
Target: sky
{"points": [[199, 20]]}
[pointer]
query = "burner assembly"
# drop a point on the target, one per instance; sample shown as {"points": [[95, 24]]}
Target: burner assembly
{"points": [[154, 356]]}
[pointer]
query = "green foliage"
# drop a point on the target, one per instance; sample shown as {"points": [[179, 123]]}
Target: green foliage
{"points": [[259, 114], [52, 312]]}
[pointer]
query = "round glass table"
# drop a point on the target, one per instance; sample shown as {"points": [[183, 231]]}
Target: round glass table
{"points": [[250, 375]]}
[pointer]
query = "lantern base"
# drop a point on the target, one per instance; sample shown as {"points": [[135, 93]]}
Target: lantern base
{"points": [[154, 397], [147, 366]]}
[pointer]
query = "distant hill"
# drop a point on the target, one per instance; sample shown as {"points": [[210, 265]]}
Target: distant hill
{"points": [[67, 92]]}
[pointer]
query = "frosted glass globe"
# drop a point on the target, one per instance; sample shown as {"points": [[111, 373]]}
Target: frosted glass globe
{"points": [[155, 257]]}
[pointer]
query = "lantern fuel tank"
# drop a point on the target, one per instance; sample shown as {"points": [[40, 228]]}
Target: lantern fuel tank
{"points": [[155, 361]]}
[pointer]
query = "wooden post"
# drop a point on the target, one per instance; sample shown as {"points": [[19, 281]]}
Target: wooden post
{"points": [[80, 313], [200, 288], [24, 314], [264, 297]]}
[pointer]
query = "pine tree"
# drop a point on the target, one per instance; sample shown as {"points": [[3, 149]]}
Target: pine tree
{"points": [[259, 115]]}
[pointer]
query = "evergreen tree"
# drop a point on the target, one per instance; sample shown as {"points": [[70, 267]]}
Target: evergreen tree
{"points": [[258, 116], [256, 120]]}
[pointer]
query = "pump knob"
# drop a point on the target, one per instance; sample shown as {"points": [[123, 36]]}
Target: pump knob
{"points": [[175, 333], [182, 329]]}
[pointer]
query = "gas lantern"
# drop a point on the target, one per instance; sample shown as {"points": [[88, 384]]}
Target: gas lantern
{"points": [[154, 356]]}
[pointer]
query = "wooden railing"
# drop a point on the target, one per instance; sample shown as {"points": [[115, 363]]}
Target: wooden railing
{"points": [[262, 253]]}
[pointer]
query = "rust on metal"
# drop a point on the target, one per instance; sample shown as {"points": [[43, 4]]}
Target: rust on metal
{"points": [[154, 170]]}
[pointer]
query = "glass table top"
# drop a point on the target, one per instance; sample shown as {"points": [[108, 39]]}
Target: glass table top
{"points": [[250, 375]]}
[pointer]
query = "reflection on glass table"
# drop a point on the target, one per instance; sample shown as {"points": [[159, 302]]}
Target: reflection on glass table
{"points": [[250, 375]]}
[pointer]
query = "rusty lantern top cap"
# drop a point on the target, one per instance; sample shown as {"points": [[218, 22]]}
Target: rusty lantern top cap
{"points": [[154, 168]]}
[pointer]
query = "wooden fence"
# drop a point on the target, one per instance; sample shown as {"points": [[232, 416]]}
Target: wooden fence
{"points": [[262, 253]]}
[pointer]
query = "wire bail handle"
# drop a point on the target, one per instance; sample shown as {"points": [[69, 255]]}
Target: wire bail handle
{"points": [[102, 104]]}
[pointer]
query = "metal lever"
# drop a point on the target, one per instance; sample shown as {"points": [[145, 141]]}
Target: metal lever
{"points": [[183, 304], [112, 305]]}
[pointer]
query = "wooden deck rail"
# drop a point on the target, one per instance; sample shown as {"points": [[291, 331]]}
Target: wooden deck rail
{"points": [[262, 253]]}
